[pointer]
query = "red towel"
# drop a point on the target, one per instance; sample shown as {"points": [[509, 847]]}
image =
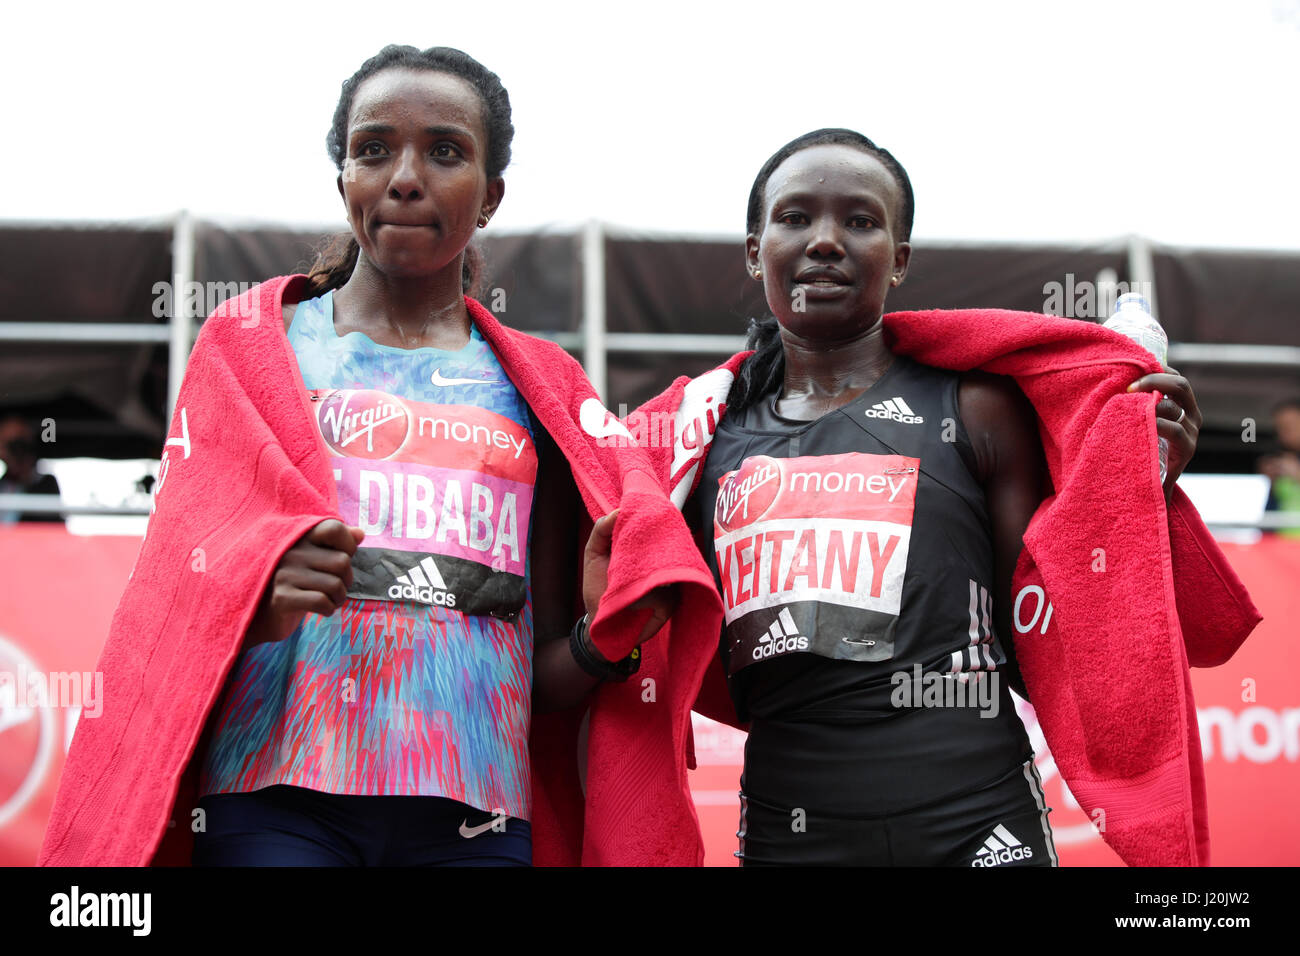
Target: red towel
{"points": [[1109, 677], [245, 473]]}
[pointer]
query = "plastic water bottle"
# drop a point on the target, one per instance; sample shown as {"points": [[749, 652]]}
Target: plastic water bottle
{"points": [[1133, 319]]}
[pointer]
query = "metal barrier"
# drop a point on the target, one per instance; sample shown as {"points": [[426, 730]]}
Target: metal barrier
{"points": [[594, 342]]}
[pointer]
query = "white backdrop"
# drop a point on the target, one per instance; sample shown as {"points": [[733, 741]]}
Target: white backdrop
{"points": [[1016, 119]]}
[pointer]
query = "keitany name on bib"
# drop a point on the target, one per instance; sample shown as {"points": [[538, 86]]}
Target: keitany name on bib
{"points": [[817, 531]]}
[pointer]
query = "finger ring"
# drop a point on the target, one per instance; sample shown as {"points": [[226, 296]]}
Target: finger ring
{"points": [[1182, 413]]}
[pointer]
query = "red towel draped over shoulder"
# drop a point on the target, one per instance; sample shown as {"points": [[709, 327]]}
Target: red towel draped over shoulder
{"points": [[244, 475], [1109, 676]]}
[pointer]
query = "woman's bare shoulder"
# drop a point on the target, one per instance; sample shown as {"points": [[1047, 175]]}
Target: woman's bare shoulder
{"points": [[999, 420]]}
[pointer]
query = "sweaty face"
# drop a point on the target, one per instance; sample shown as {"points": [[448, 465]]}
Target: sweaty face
{"points": [[413, 180], [827, 249]]}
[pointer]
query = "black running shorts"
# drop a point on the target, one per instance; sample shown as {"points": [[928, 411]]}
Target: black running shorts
{"points": [[1001, 824]]}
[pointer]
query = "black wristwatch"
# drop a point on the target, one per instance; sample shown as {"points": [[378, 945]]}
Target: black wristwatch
{"points": [[584, 653]]}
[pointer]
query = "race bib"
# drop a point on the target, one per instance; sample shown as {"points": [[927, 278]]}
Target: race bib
{"points": [[811, 554], [443, 492]]}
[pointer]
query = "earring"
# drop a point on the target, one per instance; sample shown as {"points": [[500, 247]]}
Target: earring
{"points": [[482, 221], [897, 279], [758, 274]]}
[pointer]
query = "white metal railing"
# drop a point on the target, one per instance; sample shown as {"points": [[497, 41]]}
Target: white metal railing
{"points": [[53, 504], [1273, 356], [98, 332], [593, 341], [182, 319]]}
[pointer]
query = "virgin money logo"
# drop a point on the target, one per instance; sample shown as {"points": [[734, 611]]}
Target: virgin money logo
{"points": [[704, 399], [27, 735], [745, 495], [363, 424]]}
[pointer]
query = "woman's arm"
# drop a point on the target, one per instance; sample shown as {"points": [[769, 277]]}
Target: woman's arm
{"points": [[1003, 430], [314, 575], [558, 681]]}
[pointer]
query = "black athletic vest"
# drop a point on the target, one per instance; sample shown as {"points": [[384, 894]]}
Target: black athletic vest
{"points": [[855, 560], [868, 542]]}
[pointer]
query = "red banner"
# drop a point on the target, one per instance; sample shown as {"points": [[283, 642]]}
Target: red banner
{"points": [[60, 592], [1249, 715]]}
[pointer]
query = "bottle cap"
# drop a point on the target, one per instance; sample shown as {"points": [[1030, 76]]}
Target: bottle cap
{"points": [[1133, 300]]}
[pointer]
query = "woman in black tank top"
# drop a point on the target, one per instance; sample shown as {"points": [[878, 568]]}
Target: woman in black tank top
{"points": [[862, 515]]}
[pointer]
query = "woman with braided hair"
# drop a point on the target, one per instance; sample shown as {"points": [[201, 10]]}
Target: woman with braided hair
{"points": [[434, 766], [410, 478]]}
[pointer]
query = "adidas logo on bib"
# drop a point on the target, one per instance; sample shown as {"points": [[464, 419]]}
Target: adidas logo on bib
{"points": [[422, 583], [781, 638], [894, 410], [1001, 847]]}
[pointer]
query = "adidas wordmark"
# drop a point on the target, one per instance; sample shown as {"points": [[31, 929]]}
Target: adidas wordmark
{"points": [[1001, 847], [780, 638], [423, 583], [895, 410]]}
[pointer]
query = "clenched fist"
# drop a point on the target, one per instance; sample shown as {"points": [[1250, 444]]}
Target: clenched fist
{"points": [[314, 575]]}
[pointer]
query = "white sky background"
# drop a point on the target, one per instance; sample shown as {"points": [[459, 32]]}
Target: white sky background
{"points": [[1015, 120]]}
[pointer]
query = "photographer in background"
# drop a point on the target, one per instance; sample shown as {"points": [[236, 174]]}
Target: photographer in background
{"points": [[18, 451], [1283, 466]]}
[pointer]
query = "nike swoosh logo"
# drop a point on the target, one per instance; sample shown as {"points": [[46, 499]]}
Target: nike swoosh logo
{"points": [[437, 379], [470, 833]]}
